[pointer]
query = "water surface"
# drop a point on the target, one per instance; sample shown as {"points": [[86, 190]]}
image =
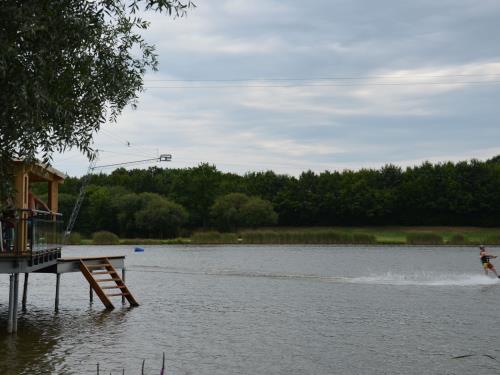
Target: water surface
{"points": [[267, 310]]}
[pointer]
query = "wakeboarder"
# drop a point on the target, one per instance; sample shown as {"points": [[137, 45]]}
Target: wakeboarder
{"points": [[485, 260]]}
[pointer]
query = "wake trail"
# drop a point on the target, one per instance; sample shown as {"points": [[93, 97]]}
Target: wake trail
{"points": [[429, 279]]}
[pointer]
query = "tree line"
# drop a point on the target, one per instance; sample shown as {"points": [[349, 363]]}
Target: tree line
{"points": [[161, 203]]}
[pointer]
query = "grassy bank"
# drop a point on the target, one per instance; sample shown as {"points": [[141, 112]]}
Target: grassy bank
{"points": [[323, 235]]}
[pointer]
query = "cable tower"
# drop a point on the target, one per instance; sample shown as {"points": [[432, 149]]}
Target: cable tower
{"points": [[79, 199], [86, 179]]}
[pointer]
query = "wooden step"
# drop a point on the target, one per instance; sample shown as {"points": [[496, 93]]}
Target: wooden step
{"points": [[95, 286], [106, 269], [113, 287], [104, 280]]}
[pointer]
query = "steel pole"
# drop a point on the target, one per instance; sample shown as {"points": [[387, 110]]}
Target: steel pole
{"points": [[11, 304], [58, 284], [25, 291], [16, 302], [123, 279]]}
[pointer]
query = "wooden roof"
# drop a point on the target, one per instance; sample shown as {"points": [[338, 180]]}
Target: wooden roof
{"points": [[42, 172]]}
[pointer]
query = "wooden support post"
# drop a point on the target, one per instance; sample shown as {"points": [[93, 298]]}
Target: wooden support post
{"points": [[10, 321], [58, 284], [123, 279], [21, 201], [53, 196], [91, 294], [1, 238], [25, 291], [16, 302]]}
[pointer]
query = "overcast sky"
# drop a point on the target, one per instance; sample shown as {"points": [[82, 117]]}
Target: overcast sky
{"points": [[316, 85]]}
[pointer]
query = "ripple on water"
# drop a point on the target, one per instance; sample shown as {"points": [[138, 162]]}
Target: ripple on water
{"points": [[273, 310]]}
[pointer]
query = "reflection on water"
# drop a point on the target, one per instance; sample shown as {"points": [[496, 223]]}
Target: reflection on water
{"points": [[270, 310], [35, 349], [30, 350]]}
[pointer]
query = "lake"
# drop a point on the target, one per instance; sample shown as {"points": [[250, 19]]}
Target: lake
{"points": [[266, 310]]}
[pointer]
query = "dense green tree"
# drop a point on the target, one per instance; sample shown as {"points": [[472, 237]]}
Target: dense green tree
{"points": [[126, 206], [161, 218], [236, 210], [66, 67], [257, 212], [464, 193], [100, 207], [226, 211], [196, 189], [264, 184]]}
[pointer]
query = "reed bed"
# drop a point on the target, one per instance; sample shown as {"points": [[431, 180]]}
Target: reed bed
{"points": [[492, 240], [458, 239], [424, 238], [312, 237], [162, 370], [214, 238], [154, 241], [451, 236]]}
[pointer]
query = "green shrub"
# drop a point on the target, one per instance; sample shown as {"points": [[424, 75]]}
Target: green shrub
{"points": [[74, 238], [424, 239], [105, 238], [458, 239], [492, 240]]}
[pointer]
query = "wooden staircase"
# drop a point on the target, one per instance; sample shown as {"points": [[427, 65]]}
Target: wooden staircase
{"points": [[118, 288]]}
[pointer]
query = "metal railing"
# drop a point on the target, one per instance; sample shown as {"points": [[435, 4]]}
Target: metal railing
{"points": [[43, 232], [46, 231]]}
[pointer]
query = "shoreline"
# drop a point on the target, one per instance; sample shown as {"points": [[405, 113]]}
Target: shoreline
{"points": [[355, 236], [89, 243]]}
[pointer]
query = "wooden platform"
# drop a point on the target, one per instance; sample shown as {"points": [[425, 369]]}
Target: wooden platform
{"points": [[28, 262], [72, 264], [25, 263]]}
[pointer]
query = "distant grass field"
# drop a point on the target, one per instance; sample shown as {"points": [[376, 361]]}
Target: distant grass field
{"points": [[391, 235]]}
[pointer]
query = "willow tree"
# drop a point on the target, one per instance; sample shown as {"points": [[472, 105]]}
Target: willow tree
{"points": [[67, 67]]}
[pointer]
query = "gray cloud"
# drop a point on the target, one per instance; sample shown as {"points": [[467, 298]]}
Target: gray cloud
{"points": [[352, 124]]}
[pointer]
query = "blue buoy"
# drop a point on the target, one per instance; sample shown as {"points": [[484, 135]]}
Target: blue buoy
{"points": [[139, 250]]}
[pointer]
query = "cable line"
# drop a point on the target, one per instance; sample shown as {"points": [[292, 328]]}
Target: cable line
{"points": [[163, 157], [477, 83], [323, 78]]}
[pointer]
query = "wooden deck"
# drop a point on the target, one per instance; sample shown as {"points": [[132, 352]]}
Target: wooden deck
{"points": [[10, 263], [72, 264], [28, 262], [91, 267]]}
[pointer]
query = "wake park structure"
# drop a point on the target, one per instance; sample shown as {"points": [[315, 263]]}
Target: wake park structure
{"points": [[31, 241]]}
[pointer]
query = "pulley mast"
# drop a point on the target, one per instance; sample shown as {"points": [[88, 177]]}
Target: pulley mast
{"points": [[86, 180]]}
